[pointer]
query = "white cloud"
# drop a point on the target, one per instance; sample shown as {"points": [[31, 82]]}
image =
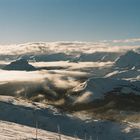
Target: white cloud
{"points": [[85, 98], [68, 47], [133, 40], [32, 83], [60, 79]]}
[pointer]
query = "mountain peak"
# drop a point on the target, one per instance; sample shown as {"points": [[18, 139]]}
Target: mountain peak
{"points": [[129, 60], [20, 64]]}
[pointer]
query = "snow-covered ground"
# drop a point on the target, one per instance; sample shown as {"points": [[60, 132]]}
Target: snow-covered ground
{"points": [[18, 119], [14, 131]]}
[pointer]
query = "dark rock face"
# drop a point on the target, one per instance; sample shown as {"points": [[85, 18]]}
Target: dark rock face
{"points": [[21, 64]]}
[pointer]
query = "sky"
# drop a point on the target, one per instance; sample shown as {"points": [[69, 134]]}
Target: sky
{"points": [[68, 20]]}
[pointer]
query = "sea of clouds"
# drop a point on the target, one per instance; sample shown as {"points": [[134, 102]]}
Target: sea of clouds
{"points": [[57, 82], [67, 47]]}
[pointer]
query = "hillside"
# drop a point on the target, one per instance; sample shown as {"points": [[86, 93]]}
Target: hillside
{"points": [[22, 126]]}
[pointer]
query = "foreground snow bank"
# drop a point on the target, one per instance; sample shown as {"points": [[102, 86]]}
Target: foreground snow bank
{"points": [[18, 122], [13, 131]]}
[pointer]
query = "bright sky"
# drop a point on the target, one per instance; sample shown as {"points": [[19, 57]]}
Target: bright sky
{"points": [[68, 20]]}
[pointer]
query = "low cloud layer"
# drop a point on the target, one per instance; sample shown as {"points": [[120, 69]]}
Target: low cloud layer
{"points": [[34, 84], [70, 47], [87, 59]]}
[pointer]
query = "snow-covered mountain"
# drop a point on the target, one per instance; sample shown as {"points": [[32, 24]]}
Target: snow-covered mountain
{"points": [[97, 57], [101, 79], [129, 60], [97, 88], [20, 64]]}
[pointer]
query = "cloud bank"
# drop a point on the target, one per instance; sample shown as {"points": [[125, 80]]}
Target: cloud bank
{"points": [[70, 47]]}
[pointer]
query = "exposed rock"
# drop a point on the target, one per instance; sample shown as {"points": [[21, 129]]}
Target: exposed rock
{"points": [[21, 64]]}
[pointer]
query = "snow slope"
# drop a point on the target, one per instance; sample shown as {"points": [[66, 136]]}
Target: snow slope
{"points": [[129, 60], [13, 131], [96, 88], [17, 122]]}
